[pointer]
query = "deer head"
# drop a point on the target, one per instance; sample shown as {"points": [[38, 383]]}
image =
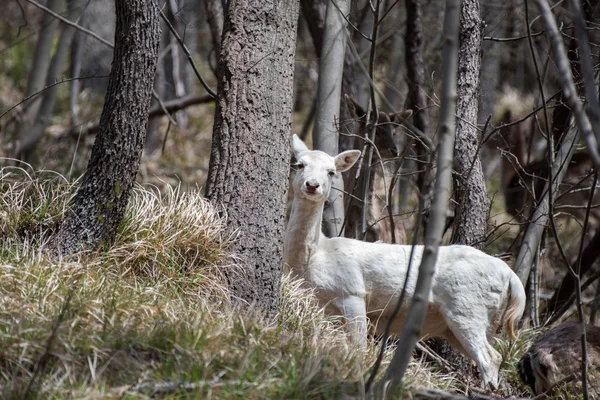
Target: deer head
{"points": [[315, 170], [386, 124]]}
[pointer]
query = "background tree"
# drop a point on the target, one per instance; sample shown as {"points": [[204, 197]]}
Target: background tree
{"points": [[28, 138], [327, 117], [100, 201], [416, 97], [39, 65], [472, 202], [442, 189], [249, 163]]}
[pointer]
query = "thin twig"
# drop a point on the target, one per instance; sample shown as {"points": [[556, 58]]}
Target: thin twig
{"points": [[73, 24], [168, 107], [66, 80], [587, 69], [566, 79], [372, 118], [495, 39], [418, 134], [534, 270], [388, 326], [45, 357], [188, 54], [584, 355]]}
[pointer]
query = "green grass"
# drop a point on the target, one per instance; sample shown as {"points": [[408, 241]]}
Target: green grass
{"points": [[153, 309]]}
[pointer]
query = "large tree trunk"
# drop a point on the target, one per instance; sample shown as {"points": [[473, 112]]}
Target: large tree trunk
{"points": [[469, 192], [249, 163], [100, 202]]}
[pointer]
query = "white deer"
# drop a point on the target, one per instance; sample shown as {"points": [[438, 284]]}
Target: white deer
{"points": [[472, 294]]}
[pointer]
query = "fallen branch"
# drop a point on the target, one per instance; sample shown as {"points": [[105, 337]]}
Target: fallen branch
{"points": [[170, 107], [437, 394]]}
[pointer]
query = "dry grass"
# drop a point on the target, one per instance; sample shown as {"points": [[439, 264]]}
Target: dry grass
{"points": [[153, 308]]}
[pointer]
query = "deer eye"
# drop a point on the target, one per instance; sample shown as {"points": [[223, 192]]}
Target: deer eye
{"points": [[331, 173], [300, 165]]}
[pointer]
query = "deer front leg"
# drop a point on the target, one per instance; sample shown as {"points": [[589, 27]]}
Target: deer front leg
{"points": [[354, 310]]}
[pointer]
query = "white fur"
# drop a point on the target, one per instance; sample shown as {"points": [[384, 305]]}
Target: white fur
{"points": [[470, 293]]}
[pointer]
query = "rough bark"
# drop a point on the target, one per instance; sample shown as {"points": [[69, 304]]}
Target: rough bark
{"points": [[29, 138], [249, 163], [435, 227], [100, 202], [469, 184]]}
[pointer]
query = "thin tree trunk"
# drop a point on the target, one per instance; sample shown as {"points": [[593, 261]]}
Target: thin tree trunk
{"points": [[314, 13], [415, 73], [249, 163], [361, 81], [435, 227], [77, 48], [494, 14], [471, 197], [325, 131], [41, 60], [43, 49], [101, 200], [29, 138], [214, 17], [540, 216]]}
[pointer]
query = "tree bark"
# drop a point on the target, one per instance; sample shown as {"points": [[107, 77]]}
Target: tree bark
{"points": [[249, 163], [435, 227], [469, 184], [327, 118], [100, 202]]}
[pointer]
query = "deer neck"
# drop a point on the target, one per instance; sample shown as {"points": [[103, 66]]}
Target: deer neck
{"points": [[303, 233]]}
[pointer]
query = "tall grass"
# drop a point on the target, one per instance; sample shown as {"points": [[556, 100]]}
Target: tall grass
{"points": [[150, 315]]}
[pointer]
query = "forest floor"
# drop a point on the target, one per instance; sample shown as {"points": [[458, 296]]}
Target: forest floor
{"points": [[150, 316]]}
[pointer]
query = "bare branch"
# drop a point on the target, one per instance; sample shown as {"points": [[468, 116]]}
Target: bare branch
{"points": [[71, 23], [566, 80], [188, 54]]}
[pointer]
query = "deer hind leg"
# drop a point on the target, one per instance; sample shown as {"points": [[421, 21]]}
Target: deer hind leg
{"points": [[354, 310], [470, 338]]}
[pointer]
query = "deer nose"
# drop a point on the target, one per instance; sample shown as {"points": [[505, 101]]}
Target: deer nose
{"points": [[312, 186], [394, 152]]}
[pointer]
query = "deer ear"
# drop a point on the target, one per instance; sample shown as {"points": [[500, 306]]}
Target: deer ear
{"points": [[344, 161], [298, 146], [401, 116], [355, 109]]}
